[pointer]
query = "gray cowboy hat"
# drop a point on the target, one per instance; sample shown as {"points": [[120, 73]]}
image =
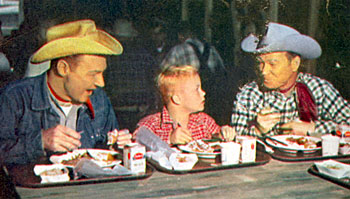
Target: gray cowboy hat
{"points": [[280, 38]]}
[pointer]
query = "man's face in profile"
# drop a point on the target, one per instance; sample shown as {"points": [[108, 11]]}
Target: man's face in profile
{"points": [[274, 70]]}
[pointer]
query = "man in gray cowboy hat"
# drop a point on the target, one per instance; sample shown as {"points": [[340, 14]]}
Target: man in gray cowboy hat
{"points": [[64, 108], [283, 98]]}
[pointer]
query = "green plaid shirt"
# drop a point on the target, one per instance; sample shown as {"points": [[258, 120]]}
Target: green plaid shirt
{"points": [[332, 108]]}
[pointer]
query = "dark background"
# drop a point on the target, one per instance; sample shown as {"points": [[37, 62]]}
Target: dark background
{"points": [[332, 32]]}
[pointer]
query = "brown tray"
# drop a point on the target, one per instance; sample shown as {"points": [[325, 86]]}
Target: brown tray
{"points": [[301, 156], [27, 178], [342, 182], [201, 166]]}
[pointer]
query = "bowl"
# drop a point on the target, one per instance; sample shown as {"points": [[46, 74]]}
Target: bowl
{"points": [[183, 161], [52, 173], [333, 168]]}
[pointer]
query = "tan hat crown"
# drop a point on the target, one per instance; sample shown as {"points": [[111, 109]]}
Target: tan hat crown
{"points": [[78, 37]]}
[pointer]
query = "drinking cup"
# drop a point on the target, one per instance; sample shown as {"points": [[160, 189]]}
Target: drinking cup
{"points": [[230, 153], [330, 145]]}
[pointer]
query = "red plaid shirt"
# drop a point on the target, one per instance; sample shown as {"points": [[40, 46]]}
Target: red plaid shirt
{"points": [[200, 125]]}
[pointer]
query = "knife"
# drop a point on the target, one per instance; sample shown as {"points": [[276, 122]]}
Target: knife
{"points": [[276, 140]]}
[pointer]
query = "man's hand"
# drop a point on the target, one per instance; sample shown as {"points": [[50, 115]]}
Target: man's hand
{"points": [[267, 121], [299, 127], [227, 133], [180, 136], [60, 138]]}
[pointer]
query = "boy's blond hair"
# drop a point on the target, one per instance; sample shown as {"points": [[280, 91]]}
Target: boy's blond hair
{"points": [[170, 76]]}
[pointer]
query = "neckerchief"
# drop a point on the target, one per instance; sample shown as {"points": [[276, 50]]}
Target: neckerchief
{"points": [[306, 103]]}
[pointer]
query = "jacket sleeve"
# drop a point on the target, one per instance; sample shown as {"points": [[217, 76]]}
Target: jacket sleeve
{"points": [[18, 145]]}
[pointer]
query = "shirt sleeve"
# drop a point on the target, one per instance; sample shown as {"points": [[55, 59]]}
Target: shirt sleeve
{"points": [[240, 118], [333, 109]]}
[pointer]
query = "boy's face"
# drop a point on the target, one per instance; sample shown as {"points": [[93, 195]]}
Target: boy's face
{"points": [[191, 95]]}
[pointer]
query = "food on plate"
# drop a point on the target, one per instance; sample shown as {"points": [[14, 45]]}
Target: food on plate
{"points": [[75, 159], [53, 172], [181, 159], [302, 141], [203, 147], [100, 156], [337, 167]]}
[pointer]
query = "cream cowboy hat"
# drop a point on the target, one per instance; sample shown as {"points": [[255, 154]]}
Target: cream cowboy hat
{"points": [[78, 37], [279, 38]]}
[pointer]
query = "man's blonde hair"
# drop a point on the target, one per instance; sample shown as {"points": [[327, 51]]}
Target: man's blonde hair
{"points": [[170, 76]]}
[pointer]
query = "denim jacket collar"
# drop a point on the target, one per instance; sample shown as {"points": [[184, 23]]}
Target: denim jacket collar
{"points": [[40, 94]]}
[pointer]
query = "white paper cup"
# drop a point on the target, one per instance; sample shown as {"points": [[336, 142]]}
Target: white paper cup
{"points": [[330, 145], [230, 153], [248, 143]]}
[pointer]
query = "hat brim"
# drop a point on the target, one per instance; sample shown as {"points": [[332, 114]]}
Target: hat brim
{"points": [[302, 45], [101, 44]]}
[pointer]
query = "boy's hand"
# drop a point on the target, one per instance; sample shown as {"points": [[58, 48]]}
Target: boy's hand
{"points": [[121, 137], [180, 136], [227, 133]]}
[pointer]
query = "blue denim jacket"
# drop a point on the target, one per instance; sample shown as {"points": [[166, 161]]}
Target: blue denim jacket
{"points": [[25, 111]]}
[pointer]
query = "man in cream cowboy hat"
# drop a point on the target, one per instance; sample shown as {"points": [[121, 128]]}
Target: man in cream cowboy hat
{"points": [[64, 108], [283, 98]]}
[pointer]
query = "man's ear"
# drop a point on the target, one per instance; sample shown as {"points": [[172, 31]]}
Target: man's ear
{"points": [[62, 68], [176, 99], [296, 63]]}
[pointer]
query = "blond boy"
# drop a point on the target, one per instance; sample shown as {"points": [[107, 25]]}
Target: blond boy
{"points": [[181, 119]]}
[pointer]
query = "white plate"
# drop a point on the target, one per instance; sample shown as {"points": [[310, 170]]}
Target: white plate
{"points": [[99, 155], [292, 146], [187, 149], [333, 168]]}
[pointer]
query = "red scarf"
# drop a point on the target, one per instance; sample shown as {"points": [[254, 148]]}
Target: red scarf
{"points": [[306, 103]]}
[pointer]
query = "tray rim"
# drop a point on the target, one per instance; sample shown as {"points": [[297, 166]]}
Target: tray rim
{"points": [[304, 159], [314, 171], [149, 172], [213, 168]]}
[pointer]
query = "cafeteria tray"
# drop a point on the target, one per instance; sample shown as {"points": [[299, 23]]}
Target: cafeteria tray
{"points": [[344, 182], [29, 180], [300, 156], [201, 166]]}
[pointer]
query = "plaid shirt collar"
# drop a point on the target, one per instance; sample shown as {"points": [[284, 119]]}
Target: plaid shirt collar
{"points": [[166, 119]]}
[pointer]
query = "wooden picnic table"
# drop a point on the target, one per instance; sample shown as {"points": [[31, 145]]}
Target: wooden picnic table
{"points": [[275, 179]]}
